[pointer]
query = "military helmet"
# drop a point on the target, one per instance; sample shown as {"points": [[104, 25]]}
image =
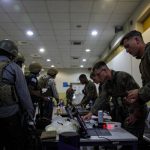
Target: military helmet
{"points": [[9, 47], [52, 72], [35, 67], [20, 58]]}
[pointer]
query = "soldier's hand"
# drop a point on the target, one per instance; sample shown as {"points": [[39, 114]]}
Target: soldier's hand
{"points": [[131, 119], [88, 116], [132, 96], [45, 98]]}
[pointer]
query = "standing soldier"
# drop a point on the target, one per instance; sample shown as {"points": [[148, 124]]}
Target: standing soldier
{"points": [[14, 96], [134, 44], [89, 91], [48, 83], [51, 85], [69, 94], [32, 83]]}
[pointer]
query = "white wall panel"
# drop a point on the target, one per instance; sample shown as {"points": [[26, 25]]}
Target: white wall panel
{"points": [[122, 62], [69, 75]]}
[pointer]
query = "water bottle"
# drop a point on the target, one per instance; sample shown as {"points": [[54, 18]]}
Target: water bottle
{"points": [[100, 118]]}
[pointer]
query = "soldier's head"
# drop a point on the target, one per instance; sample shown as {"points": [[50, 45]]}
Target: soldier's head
{"points": [[102, 72], [70, 85], [83, 79], [20, 59], [94, 77], [8, 48], [133, 43], [35, 68], [52, 72]]}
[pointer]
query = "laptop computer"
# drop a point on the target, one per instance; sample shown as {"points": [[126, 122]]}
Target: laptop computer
{"points": [[87, 132]]}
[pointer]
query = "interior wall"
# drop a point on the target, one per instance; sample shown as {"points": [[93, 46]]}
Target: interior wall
{"points": [[69, 75], [122, 62]]}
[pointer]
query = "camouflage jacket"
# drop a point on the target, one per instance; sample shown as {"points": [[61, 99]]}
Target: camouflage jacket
{"points": [[144, 92], [116, 88], [90, 93]]}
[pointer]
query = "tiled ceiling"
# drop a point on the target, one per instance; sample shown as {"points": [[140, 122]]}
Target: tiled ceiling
{"points": [[57, 23]]}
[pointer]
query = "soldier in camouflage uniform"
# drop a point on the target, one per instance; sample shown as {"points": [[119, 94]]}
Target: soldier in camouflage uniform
{"points": [[33, 86], [51, 92], [69, 94], [32, 82], [134, 45], [115, 86], [51, 85], [89, 91]]}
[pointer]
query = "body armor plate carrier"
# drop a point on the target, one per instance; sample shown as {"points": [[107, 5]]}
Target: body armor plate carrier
{"points": [[7, 91]]}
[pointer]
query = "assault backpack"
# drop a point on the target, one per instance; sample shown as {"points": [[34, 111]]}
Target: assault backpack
{"points": [[7, 91], [43, 81]]}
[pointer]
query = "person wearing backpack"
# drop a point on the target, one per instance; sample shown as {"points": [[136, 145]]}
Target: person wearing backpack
{"points": [[14, 97], [32, 82], [51, 85], [51, 92], [116, 85]]}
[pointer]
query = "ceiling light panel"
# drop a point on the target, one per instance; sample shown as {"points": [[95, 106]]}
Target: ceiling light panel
{"points": [[41, 50], [87, 50], [94, 33], [52, 66], [48, 60], [84, 60], [29, 33]]}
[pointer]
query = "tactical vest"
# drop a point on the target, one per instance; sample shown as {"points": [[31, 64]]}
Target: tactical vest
{"points": [[35, 86], [8, 94], [49, 91]]}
